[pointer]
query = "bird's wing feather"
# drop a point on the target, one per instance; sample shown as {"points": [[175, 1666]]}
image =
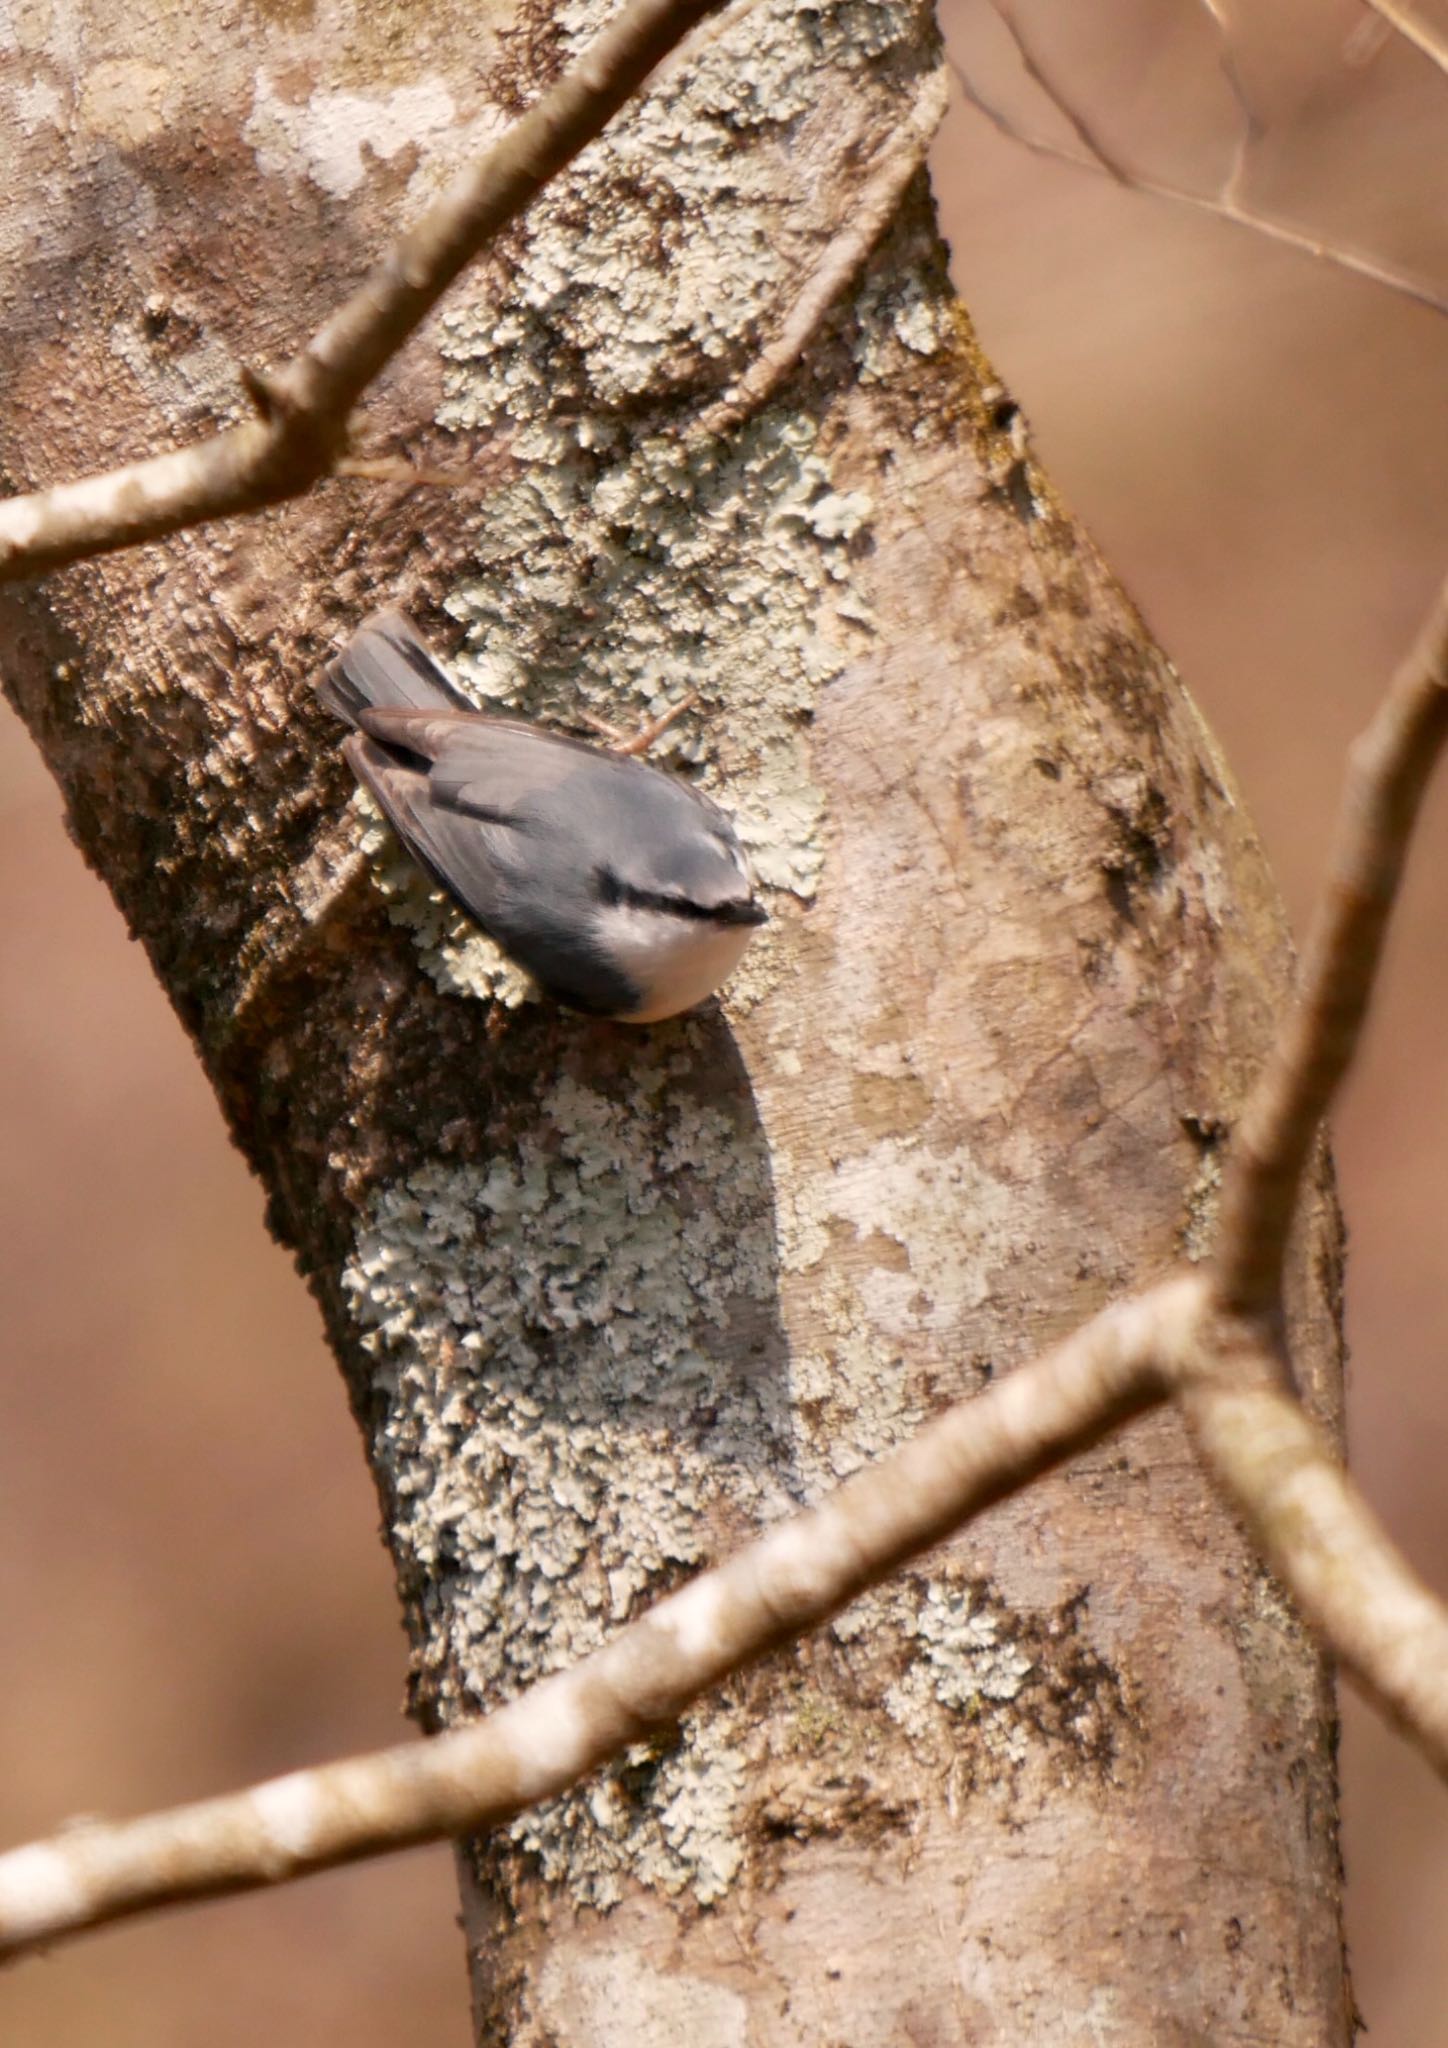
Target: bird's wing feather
{"points": [[542, 920], [469, 860], [386, 663], [495, 768]]}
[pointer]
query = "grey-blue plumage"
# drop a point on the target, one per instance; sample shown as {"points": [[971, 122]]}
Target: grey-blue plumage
{"points": [[623, 891]]}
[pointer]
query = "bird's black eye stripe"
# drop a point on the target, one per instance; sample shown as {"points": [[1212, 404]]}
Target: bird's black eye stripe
{"points": [[613, 889]]}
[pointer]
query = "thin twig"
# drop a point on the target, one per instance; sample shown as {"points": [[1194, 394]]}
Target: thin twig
{"points": [[304, 407], [635, 743], [396, 469], [1110, 165], [1312, 1526], [1388, 771], [871, 210], [1249, 128], [1412, 26], [791, 1579], [1086, 133]]}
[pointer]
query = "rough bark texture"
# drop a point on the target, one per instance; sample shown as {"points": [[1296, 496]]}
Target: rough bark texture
{"points": [[605, 1298]]}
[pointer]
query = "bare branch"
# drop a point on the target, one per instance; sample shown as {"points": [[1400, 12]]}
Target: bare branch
{"points": [[790, 1579], [1249, 128], [1098, 150], [1261, 1448], [1415, 29], [1388, 771], [844, 256], [1094, 156], [396, 469], [304, 407], [1324, 1542]]}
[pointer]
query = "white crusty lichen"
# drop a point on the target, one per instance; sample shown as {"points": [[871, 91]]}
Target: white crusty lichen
{"points": [[976, 1676], [331, 138], [966, 1654], [567, 1405], [670, 1821], [900, 313]]}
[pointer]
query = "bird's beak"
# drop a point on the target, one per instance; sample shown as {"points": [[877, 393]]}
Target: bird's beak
{"points": [[751, 912]]}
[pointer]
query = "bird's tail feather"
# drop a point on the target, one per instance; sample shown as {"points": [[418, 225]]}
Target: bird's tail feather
{"points": [[386, 666]]}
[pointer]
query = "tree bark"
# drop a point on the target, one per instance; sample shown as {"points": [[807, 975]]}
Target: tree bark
{"points": [[606, 1299]]}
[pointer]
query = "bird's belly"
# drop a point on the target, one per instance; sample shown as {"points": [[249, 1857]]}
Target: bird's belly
{"points": [[681, 971]]}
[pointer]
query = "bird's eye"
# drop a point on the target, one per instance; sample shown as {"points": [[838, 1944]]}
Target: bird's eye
{"points": [[610, 888]]}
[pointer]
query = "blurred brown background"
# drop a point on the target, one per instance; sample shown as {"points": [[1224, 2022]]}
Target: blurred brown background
{"points": [[192, 1593]]}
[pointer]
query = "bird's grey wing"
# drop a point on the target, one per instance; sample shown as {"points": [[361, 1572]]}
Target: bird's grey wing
{"points": [[590, 806], [469, 860], [526, 893], [489, 767]]}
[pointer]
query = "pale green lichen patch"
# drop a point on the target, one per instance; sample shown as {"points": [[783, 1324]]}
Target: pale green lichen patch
{"points": [[630, 561], [897, 1203], [700, 570], [557, 1429]]}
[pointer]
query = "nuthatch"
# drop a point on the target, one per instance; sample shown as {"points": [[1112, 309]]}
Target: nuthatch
{"points": [[620, 889]]}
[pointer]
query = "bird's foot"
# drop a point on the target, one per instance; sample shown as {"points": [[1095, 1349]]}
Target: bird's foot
{"points": [[643, 739]]}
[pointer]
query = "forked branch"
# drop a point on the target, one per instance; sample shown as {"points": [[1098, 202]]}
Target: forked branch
{"points": [[1388, 773], [1320, 1537]]}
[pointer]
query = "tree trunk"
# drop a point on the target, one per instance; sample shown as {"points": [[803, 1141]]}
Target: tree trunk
{"points": [[607, 1298]]}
